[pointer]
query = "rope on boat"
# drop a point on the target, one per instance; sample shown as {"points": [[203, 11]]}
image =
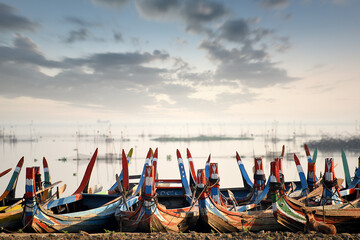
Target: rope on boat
{"points": [[328, 186]]}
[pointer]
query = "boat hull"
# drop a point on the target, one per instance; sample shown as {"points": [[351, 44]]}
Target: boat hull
{"points": [[221, 219], [97, 219], [155, 217], [289, 213], [11, 220]]}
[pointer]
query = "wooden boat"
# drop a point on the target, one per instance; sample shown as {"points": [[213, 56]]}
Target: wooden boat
{"points": [[309, 184], [293, 214], [251, 192], [150, 212], [10, 215], [215, 214], [80, 211], [87, 212]]}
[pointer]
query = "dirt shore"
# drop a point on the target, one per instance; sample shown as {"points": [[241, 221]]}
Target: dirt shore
{"points": [[182, 236]]}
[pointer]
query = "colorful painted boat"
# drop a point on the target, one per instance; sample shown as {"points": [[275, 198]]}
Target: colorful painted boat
{"points": [[216, 215], [251, 192], [78, 212], [87, 212], [150, 212], [10, 214], [291, 213]]}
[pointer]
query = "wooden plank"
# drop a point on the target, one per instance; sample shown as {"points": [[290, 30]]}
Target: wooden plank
{"points": [[168, 181], [63, 201], [316, 192], [38, 192], [55, 195]]}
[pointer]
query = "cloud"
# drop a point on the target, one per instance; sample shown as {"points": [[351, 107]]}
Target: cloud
{"points": [[118, 37], [81, 34], [73, 87], [245, 65], [283, 44], [241, 31], [10, 21], [236, 97], [25, 51], [156, 9], [81, 22], [121, 81], [108, 60], [103, 79], [111, 4], [196, 14], [274, 3], [235, 30]]}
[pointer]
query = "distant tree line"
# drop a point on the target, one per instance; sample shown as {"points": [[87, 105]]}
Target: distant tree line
{"points": [[336, 144]]}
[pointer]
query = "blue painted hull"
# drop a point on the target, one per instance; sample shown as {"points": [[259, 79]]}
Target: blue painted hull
{"points": [[97, 218]]}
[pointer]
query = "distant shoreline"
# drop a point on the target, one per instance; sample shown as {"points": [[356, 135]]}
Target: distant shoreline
{"points": [[200, 138], [334, 144]]}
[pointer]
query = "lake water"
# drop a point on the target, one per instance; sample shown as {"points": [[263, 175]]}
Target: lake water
{"points": [[69, 142]]}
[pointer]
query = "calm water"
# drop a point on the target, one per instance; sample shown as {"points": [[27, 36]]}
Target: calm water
{"points": [[71, 142]]}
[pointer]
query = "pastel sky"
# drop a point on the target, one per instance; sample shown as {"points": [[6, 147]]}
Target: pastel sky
{"points": [[173, 60]]}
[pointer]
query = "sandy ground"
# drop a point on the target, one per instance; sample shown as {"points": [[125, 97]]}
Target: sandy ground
{"points": [[175, 236]]}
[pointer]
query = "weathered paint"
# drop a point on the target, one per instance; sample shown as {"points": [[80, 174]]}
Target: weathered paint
{"points": [[246, 180], [331, 194], [183, 177], [193, 176], [14, 178], [214, 183], [304, 186]]}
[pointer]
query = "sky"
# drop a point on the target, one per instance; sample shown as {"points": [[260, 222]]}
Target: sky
{"points": [[179, 61]]}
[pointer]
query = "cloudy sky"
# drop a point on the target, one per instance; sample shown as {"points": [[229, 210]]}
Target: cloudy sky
{"points": [[173, 60]]}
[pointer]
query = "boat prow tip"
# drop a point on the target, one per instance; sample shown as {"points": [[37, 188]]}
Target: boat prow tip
{"points": [[178, 153]]}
